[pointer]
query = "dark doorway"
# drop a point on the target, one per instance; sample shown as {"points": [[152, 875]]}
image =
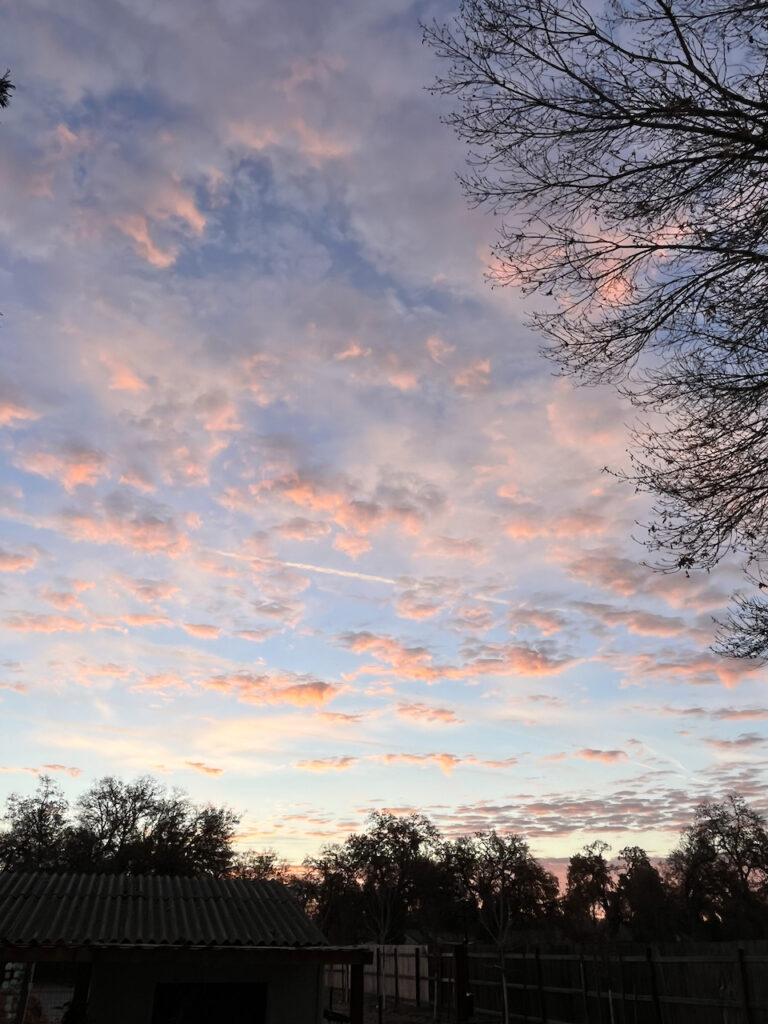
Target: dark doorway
{"points": [[241, 1003]]}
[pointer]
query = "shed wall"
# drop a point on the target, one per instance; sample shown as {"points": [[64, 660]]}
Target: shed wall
{"points": [[125, 994]]}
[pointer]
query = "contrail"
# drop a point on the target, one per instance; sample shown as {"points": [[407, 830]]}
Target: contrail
{"points": [[339, 572], [348, 574]]}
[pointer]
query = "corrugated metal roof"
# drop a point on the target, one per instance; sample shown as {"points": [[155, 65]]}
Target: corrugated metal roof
{"points": [[107, 910]]}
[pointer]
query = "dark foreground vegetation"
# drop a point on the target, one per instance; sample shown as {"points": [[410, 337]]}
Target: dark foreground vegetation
{"points": [[400, 879]]}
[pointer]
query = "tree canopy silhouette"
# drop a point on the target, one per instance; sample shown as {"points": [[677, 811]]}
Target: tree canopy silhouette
{"points": [[6, 88], [625, 154], [134, 827]]}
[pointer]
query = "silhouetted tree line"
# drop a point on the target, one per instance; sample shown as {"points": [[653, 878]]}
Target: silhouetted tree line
{"points": [[400, 879]]}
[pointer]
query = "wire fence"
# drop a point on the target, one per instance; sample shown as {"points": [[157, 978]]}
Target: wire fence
{"points": [[726, 984]]}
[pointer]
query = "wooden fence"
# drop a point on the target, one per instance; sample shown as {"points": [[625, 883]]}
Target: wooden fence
{"points": [[728, 985]]}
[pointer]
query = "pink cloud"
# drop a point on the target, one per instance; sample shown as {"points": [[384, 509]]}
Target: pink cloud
{"points": [[257, 636], [30, 622], [469, 548], [339, 717], [122, 375], [519, 659], [474, 378], [11, 411], [743, 742], [150, 591], [64, 600], [351, 545], [546, 622], [353, 351], [161, 682], [217, 412], [136, 227], [439, 350], [420, 712], [170, 204], [606, 756], [691, 667], [10, 562], [122, 519], [72, 465], [302, 529]]}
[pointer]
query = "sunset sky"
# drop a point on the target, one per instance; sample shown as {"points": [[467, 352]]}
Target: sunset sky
{"points": [[295, 516]]}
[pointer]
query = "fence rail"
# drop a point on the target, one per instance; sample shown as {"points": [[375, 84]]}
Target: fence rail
{"points": [[461, 984]]}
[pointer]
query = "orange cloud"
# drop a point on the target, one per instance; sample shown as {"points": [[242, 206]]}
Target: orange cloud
{"points": [[324, 764], [202, 630], [69, 769], [145, 619], [447, 762], [284, 688], [413, 661], [206, 769]]}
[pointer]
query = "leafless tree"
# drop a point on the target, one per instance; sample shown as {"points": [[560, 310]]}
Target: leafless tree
{"points": [[626, 155]]}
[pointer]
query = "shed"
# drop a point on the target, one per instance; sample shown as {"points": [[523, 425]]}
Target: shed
{"points": [[128, 949]]}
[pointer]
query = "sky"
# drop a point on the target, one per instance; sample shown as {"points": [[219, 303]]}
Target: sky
{"points": [[294, 514]]}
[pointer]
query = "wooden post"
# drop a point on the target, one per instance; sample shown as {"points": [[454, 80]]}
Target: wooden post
{"points": [[598, 989], [461, 983], [540, 984], [654, 985], [356, 990], [417, 972], [584, 993], [622, 990], [396, 980], [744, 984], [379, 1003]]}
